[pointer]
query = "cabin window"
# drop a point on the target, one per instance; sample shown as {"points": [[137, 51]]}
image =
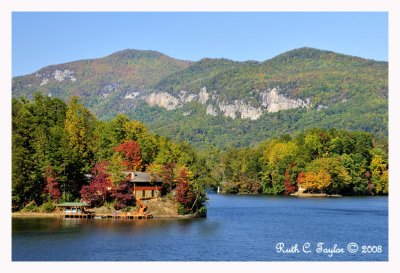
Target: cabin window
{"points": [[143, 193], [152, 193]]}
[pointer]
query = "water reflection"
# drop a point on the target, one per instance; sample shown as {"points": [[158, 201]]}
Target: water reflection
{"points": [[209, 227]]}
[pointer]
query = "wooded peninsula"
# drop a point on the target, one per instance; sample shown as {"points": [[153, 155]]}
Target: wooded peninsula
{"points": [[62, 153]]}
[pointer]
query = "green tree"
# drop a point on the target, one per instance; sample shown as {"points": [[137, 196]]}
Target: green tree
{"points": [[37, 135], [78, 148], [277, 159], [379, 174]]}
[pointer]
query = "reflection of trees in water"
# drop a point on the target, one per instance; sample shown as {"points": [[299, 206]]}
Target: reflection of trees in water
{"points": [[209, 227], [124, 226], [201, 226], [106, 227], [37, 224], [185, 225]]}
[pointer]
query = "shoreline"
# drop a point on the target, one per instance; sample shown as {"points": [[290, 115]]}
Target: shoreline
{"points": [[35, 214], [296, 194], [301, 194], [56, 215]]}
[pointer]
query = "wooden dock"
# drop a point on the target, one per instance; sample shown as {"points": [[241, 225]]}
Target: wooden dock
{"points": [[124, 216], [76, 215], [106, 216]]}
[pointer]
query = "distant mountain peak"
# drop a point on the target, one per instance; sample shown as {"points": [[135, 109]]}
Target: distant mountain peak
{"points": [[310, 53], [135, 54], [304, 53]]}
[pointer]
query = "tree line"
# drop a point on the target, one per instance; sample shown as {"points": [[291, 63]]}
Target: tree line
{"points": [[320, 161]]}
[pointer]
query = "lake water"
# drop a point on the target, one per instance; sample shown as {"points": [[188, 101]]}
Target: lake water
{"points": [[238, 228]]}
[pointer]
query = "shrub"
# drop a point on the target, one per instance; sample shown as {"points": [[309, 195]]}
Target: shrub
{"points": [[31, 207], [202, 211], [182, 210], [47, 207], [108, 204]]}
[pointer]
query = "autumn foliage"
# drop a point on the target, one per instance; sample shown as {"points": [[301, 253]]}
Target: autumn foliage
{"points": [[123, 195], [289, 186], [101, 188], [167, 176], [51, 189], [314, 182], [131, 152], [96, 192], [185, 195]]}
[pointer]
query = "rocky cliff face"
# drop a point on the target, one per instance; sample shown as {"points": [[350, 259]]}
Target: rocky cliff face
{"points": [[164, 100], [269, 101], [272, 101], [57, 75]]}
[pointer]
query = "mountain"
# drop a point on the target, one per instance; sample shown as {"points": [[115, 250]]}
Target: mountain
{"points": [[100, 82], [223, 102]]}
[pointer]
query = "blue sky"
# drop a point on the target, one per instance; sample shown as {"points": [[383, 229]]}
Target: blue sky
{"points": [[41, 39]]}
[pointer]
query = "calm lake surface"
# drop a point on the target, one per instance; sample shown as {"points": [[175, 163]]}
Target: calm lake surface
{"points": [[238, 228]]}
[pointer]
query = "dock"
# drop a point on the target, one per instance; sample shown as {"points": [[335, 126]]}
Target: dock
{"points": [[76, 215], [106, 216], [80, 210], [123, 216]]}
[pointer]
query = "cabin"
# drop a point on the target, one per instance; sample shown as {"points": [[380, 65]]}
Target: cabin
{"points": [[145, 185]]}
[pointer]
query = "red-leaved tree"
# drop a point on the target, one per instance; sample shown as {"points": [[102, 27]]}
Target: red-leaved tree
{"points": [[132, 154], [184, 194], [51, 189], [289, 186], [123, 195], [96, 192], [167, 176]]}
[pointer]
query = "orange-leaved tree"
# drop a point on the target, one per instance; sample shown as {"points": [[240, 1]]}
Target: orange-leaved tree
{"points": [[132, 155]]}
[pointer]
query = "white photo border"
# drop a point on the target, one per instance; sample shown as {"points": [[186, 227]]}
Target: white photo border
{"points": [[9, 6]]}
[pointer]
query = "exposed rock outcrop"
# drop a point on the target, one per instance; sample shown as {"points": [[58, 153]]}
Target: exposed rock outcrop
{"points": [[239, 108], [247, 111], [274, 102], [228, 110], [164, 100], [211, 111], [203, 95], [58, 75], [185, 97], [269, 101], [61, 75]]}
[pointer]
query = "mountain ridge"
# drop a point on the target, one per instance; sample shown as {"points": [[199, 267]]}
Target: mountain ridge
{"points": [[141, 84]]}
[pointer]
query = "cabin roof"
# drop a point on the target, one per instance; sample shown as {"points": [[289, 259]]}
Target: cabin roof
{"points": [[73, 204], [142, 177]]}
